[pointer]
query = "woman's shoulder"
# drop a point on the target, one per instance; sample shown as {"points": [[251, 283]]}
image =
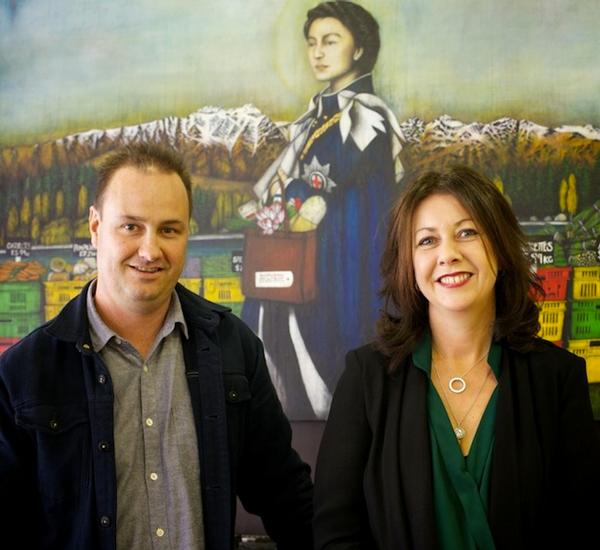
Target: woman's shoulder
{"points": [[368, 359]]}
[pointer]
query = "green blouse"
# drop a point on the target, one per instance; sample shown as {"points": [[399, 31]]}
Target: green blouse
{"points": [[460, 484]]}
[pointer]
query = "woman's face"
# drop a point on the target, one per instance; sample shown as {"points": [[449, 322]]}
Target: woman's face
{"points": [[332, 52], [453, 268]]}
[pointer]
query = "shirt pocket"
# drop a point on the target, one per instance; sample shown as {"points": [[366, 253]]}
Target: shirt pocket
{"points": [[237, 389], [61, 437]]}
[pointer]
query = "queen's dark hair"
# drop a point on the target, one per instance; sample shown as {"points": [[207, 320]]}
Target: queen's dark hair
{"points": [[142, 156], [404, 318], [361, 24]]}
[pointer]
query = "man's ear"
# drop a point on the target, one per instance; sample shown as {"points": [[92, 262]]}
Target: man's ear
{"points": [[93, 223]]}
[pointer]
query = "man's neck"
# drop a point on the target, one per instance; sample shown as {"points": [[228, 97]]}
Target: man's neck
{"points": [[139, 328]]}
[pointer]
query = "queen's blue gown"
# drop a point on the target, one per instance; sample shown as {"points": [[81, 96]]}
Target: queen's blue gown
{"points": [[359, 187]]}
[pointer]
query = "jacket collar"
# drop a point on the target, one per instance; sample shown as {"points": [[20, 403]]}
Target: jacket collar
{"points": [[72, 325]]}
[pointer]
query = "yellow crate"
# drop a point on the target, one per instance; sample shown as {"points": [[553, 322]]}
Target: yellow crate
{"points": [[192, 284], [586, 283], [590, 351], [223, 289], [60, 292], [552, 319], [51, 311]]}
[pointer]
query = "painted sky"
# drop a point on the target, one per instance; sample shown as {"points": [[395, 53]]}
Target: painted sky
{"points": [[72, 65]]}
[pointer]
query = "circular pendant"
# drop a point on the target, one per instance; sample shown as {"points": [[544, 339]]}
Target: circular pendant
{"points": [[459, 433], [457, 385]]}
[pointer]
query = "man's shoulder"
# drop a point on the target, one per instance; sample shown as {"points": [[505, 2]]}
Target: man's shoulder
{"points": [[212, 315]]}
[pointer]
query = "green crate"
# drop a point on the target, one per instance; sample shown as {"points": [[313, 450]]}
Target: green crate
{"points": [[585, 319], [17, 325], [216, 265], [20, 297]]}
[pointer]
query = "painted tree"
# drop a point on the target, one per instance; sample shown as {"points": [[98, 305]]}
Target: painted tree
{"points": [[562, 195], [572, 195]]}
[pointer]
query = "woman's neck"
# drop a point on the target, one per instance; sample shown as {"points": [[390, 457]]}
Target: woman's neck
{"points": [[463, 336], [343, 81]]}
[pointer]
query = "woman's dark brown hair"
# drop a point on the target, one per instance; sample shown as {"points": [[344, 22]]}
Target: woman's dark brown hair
{"points": [[361, 24], [404, 318]]}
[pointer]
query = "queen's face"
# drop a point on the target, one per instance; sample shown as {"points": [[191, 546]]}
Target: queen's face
{"points": [[332, 53]]}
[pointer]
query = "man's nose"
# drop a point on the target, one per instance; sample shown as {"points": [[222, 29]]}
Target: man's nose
{"points": [[149, 247]]}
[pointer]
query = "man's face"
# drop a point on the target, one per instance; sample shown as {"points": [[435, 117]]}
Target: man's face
{"points": [[140, 234]]}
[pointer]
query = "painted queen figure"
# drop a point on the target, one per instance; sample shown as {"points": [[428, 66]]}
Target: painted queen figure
{"points": [[339, 174]]}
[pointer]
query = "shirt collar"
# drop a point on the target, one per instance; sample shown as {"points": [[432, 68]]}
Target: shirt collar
{"points": [[421, 356], [101, 333]]}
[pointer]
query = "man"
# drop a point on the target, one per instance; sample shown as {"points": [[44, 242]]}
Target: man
{"points": [[135, 417]]}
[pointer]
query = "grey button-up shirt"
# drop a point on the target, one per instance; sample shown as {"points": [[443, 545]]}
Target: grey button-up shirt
{"points": [[158, 474]]}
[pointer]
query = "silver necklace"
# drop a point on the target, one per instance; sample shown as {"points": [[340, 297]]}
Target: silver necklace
{"points": [[459, 431], [457, 384]]}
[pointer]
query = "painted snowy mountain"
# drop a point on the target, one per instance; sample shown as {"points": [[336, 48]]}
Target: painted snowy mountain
{"points": [[211, 137]]}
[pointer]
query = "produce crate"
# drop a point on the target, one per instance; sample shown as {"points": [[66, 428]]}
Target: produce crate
{"points": [[5, 343], [586, 283], [552, 318], [20, 297], [17, 325], [217, 265], [585, 319], [61, 292], [554, 281], [590, 351], [192, 284], [223, 289]]}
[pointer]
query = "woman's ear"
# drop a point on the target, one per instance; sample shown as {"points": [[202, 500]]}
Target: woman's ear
{"points": [[357, 54]]}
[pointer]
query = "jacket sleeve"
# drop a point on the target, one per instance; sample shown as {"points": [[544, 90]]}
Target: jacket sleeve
{"points": [[19, 498], [273, 482], [340, 510], [578, 477]]}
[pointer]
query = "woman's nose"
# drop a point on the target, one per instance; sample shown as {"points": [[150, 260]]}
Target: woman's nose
{"points": [[449, 252]]}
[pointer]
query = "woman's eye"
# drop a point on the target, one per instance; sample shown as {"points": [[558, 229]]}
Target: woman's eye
{"points": [[465, 233], [425, 241]]}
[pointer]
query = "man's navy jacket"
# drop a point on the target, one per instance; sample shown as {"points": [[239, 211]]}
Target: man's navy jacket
{"points": [[57, 465]]}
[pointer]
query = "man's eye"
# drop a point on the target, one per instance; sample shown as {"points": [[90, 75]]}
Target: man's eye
{"points": [[129, 227]]}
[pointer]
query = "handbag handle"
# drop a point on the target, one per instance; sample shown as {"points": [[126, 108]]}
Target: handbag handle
{"points": [[286, 221]]}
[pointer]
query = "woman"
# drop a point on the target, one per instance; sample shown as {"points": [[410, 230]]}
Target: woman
{"points": [[342, 151], [459, 428]]}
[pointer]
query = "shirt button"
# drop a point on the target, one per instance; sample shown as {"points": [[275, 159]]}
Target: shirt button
{"points": [[160, 532], [104, 446], [153, 476], [101, 379], [53, 425], [105, 521], [149, 422], [118, 341], [233, 395], [145, 368]]}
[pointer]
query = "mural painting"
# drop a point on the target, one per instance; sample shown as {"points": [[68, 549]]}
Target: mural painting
{"points": [[290, 208]]}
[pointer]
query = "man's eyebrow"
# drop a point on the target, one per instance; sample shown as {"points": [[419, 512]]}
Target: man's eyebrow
{"points": [[131, 217]]}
